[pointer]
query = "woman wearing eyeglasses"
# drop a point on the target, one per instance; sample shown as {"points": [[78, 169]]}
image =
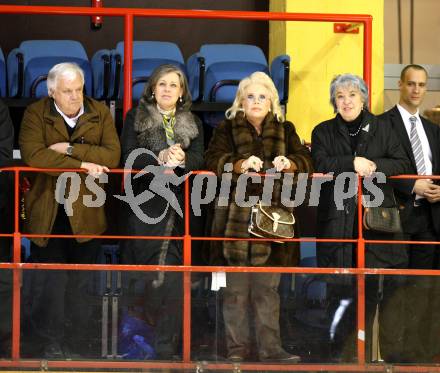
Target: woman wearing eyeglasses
{"points": [[254, 137]]}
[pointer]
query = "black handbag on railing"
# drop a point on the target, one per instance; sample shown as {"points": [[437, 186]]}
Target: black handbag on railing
{"points": [[383, 219]]}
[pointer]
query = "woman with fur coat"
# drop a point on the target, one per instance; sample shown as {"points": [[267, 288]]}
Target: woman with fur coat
{"points": [[163, 136], [253, 137]]}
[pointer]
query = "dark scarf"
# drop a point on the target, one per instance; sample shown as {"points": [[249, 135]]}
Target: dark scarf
{"points": [[151, 134], [272, 144], [354, 129]]}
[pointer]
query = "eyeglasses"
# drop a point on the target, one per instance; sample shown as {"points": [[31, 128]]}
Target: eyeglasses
{"points": [[260, 99]]}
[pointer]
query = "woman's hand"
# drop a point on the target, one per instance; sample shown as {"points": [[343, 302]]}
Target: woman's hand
{"points": [[172, 156], [253, 163], [363, 166], [281, 163], [176, 154]]}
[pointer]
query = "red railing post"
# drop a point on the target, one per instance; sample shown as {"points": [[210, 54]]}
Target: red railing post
{"points": [[187, 279], [128, 60], [360, 281], [16, 272], [368, 54]]}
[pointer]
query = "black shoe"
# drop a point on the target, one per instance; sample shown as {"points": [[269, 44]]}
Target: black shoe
{"points": [[281, 357], [53, 351]]}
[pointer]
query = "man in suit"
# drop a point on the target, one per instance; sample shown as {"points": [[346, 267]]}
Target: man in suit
{"points": [[420, 213]]}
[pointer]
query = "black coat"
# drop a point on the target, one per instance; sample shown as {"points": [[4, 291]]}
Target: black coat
{"points": [[6, 146], [331, 152], [143, 129], [404, 187]]}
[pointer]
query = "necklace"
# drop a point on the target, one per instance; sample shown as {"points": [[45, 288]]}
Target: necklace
{"points": [[355, 133]]}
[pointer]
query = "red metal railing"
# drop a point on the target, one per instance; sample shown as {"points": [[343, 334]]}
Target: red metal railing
{"points": [[17, 267], [130, 13]]}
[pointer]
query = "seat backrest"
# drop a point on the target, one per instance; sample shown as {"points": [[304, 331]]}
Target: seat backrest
{"points": [[147, 55], [2, 74], [226, 65], [39, 56]]}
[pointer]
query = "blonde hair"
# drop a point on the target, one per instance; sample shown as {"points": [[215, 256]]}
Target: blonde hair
{"points": [[256, 78]]}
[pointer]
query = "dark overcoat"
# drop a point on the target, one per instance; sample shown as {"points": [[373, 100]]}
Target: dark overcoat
{"points": [[143, 128], [331, 152], [404, 188]]}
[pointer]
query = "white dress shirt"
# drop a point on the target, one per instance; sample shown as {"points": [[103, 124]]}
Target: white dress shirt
{"points": [[71, 122], [427, 154]]}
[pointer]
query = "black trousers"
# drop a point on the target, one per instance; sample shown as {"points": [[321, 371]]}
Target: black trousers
{"points": [[5, 299], [157, 298], [422, 305], [383, 293], [52, 290]]}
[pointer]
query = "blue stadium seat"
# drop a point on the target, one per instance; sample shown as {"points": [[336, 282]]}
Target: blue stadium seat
{"points": [[215, 71], [2, 74], [101, 70], [29, 64], [219, 67], [147, 55]]}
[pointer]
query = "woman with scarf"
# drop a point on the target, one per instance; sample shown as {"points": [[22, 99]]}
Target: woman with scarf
{"points": [[254, 137], [355, 142], [163, 136]]}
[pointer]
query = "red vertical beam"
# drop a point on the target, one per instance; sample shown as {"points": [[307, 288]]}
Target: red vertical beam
{"points": [[360, 281], [368, 53], [187, 281], [16, 296], [128, 57]]}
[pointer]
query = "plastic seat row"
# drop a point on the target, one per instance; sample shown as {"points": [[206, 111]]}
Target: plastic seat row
{"points": [[213, 72]]}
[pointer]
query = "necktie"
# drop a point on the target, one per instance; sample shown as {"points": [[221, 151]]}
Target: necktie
{"points": [[416, 145]]}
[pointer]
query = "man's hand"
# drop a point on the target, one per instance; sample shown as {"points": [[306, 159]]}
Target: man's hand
{"points": [[421, 186], [94, 169], [60, 147], [426, 188], [363, 166]]}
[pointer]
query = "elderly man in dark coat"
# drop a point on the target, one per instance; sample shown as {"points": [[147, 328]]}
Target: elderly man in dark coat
{"points": [[64, 130]]}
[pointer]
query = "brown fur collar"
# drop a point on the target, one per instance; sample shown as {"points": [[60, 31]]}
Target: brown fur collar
{"points": [[151, 134], [272, 137]]}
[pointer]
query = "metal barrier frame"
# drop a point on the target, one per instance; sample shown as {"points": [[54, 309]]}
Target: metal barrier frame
{"points": [[17, 266], [187, 268]]}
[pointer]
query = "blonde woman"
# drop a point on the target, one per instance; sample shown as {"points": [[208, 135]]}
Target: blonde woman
{"points": [[253, 137]]}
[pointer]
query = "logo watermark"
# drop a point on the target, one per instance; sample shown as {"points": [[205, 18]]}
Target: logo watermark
{"points": [[163, 182]]}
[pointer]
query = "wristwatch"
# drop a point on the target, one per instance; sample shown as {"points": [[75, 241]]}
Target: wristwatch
{"points": [[69, 150]]}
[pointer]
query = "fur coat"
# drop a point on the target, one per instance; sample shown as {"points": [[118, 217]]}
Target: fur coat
{"points": [[232, 141], [143, 128]]}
